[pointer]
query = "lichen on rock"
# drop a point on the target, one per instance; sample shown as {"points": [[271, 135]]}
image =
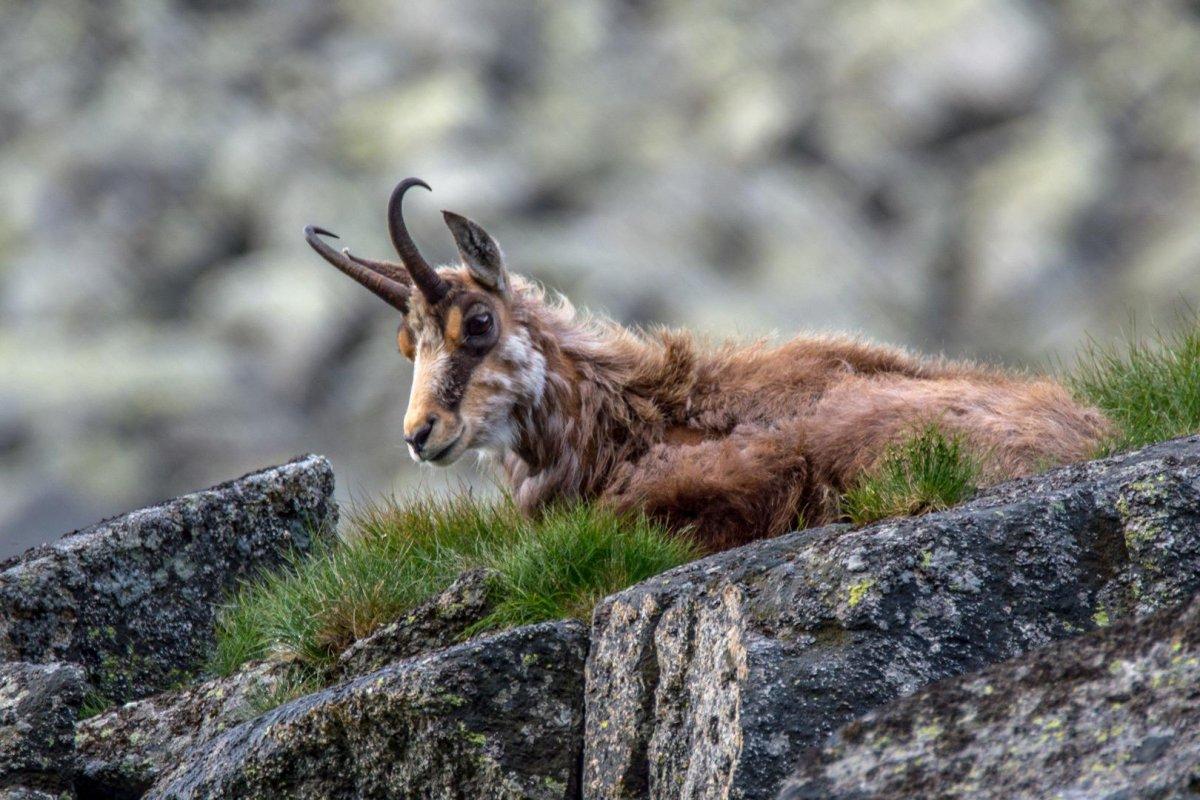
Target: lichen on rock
{"points": [[132, 599], [122, 751], [38, 707], [708, 681], [1112, 715], [498, 717]]}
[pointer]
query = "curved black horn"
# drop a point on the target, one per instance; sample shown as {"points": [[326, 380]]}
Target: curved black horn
{"points": [[388, 269], [424, 276], [392, 292]]}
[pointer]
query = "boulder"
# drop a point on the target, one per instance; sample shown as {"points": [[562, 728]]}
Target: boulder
{"points": [[498, 717], [125, 749], [439, 622], [132, 599], [38, 707], [34, 793], [1109, 715], [709, 680]]}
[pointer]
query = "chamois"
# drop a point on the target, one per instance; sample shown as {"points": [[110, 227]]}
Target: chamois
{"points": [[734, 442]]}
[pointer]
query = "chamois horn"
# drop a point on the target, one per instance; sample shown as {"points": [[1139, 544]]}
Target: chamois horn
{"points": [[424, 276], [393, 292]]}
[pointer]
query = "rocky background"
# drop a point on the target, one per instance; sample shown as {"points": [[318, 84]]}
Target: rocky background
{"points": [[988, 177]]}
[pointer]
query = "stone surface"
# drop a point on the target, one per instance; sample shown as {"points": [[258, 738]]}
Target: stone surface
{"points": [[1113, 714], [707, 681], [34, 793], [126, 749], [498, 717], [132, 599], [38, 707], [439, 622], [122, 751]]}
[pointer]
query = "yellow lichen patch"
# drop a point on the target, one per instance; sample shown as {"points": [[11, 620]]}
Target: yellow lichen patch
{"points": [[859, 591], [930, 731]]}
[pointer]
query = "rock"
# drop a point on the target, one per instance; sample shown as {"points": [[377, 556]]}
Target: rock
{"points": [[32, 793], [497, 717], [439, 622], [707, 681], [38, 707], [1108, 715], [124, 750], [132, 599]]}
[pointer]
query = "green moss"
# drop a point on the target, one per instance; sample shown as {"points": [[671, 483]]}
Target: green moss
{"points": [[1101, 618], [454, 700]]}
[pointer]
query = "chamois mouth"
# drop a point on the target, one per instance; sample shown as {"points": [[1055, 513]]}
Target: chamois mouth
{"points": [[439, 458]]}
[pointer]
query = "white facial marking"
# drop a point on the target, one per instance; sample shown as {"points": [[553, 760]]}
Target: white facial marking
{"points": [[529, 365]]}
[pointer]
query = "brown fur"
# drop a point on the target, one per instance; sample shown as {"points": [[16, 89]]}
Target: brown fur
{"points": [[734, 442], [742, 441]]}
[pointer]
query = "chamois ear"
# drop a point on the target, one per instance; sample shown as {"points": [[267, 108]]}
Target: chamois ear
{"points": [[479, 251]]}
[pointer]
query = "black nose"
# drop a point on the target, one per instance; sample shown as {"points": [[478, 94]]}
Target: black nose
{"points": [[418, 439]]}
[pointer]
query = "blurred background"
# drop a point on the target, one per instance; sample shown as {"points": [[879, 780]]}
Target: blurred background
{"points": [[996, 179]]}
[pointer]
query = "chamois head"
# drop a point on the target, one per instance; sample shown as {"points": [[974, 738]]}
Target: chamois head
{"points": [[474, 361]]}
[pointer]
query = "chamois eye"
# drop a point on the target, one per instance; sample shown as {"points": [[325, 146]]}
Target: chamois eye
{"points": [[479, 325]]}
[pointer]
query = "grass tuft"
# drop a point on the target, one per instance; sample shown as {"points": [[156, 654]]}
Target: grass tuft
{"points": [[298, 681], [929, 471], [94, 704], [391, 557], [1149, 388], [572, 559]]}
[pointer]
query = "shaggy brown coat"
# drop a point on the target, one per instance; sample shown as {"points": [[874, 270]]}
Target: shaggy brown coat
{"points": [[733, 442], [741, 442]]}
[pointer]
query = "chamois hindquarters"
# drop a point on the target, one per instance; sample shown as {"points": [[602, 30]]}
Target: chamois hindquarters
{"points": [[1015, 427]]}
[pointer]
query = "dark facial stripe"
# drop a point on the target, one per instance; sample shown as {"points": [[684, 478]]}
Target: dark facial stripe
{"points": [[457, 377]]}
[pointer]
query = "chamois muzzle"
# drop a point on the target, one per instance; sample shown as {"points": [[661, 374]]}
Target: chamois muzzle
{"points": [[380, 278], [423, 275]]}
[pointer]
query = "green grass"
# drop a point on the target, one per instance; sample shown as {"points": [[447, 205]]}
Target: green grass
{"points": [[928, 471], [391, 557], [1149, 388], [94, 704], [297, 681]]}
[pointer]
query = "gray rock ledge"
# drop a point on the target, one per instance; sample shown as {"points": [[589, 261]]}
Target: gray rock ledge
{"points": [[132, 599], [709, 680], [498, 717], [1110, 715], [38, 707]]}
